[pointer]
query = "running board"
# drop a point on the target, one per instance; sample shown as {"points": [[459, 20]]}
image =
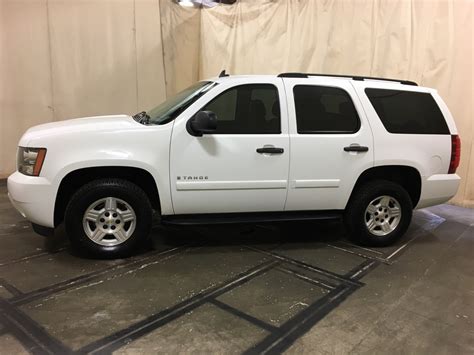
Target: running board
{"points": [[255, 217]]}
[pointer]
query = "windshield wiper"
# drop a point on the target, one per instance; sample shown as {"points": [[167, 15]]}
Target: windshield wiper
{"points": [[142, 117]]}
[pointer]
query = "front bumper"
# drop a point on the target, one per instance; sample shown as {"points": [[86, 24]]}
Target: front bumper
{"points": [[44, 231], [437, 189], [33, 197]]}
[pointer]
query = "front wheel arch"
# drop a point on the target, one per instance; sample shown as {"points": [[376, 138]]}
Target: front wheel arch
{"points": [[75, 179]]}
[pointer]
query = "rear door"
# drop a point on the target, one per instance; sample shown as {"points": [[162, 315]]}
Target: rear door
{"points": [[331, 143]]}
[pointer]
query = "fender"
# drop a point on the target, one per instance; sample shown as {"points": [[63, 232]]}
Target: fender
{"points": [[159, 180]]}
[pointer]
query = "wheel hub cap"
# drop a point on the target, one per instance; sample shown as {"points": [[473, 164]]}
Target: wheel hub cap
{"points": [[382, 216], [109, 221]]}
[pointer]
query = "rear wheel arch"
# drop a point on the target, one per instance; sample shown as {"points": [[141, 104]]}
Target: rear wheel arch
{"points": [[406, 176], [75, 179]]}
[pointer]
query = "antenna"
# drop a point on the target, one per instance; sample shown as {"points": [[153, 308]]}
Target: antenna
{"points": [[223, 74]]}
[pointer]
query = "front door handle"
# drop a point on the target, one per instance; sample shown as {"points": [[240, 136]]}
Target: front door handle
{"points": [[356, 148], [270, 150]]}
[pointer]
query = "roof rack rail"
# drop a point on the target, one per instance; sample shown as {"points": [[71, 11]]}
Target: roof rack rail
{"points": [[353, 77]]}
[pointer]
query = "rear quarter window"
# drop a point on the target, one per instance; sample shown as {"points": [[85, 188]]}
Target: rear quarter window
{"points": [[407, 112]]}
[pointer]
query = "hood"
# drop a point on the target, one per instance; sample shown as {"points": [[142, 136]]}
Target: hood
{"points": [[80, 125]]}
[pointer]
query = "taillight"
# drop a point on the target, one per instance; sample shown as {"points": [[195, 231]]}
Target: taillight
{"points": [[455, 153]]}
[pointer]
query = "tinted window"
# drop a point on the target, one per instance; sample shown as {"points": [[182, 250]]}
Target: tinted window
{"points": [[247, 109], [407, 111], [321, 109]]}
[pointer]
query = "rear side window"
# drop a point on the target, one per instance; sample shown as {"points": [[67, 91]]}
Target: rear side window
{"points": [[324, 110], [407, 111], [247, 109]]}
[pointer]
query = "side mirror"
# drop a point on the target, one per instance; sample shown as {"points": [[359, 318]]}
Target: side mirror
{"points": [[201, 123]]}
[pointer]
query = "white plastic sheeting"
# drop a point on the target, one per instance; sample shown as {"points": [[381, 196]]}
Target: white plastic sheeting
{"points": [[63, 59], [67, 58], [428, 41]]}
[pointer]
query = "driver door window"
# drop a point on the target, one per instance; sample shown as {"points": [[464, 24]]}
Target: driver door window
{"points": [[247, 109]]}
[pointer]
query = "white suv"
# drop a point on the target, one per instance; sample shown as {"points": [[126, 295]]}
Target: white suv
{"points": [[244, 149]]}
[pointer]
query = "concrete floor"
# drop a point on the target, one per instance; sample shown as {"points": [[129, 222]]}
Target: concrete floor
{"points": [[293, 287]]}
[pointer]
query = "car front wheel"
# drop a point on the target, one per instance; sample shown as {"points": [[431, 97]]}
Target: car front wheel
{"points": [[108, 218]]}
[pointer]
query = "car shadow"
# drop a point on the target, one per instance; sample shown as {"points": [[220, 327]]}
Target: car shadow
{"points": [[262, 234]]}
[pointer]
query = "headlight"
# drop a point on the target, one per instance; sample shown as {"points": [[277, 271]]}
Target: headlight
{"points": [[30, 160]]}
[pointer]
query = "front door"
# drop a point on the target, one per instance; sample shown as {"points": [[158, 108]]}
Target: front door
{"points": [[227, 171], [331, 143]]}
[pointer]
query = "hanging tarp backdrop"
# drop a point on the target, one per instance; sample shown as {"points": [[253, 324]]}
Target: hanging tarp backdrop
{"points": [[67, 58]]}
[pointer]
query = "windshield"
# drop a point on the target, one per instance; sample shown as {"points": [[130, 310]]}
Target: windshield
{"points": [[171, 108]]}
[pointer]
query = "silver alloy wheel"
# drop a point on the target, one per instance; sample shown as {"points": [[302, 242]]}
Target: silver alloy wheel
{"points": [[383, 215], [109, 221]]}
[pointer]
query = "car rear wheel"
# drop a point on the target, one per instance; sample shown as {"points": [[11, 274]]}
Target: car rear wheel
{"points": [[108, 218], [378, 213]]}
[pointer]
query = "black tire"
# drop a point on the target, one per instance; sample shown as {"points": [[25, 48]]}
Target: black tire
{"points": [[103, 188], [355, 215]]}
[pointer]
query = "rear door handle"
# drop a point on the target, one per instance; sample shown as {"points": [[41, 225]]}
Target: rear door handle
{"points": [[356, 148], [270, 150]]}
